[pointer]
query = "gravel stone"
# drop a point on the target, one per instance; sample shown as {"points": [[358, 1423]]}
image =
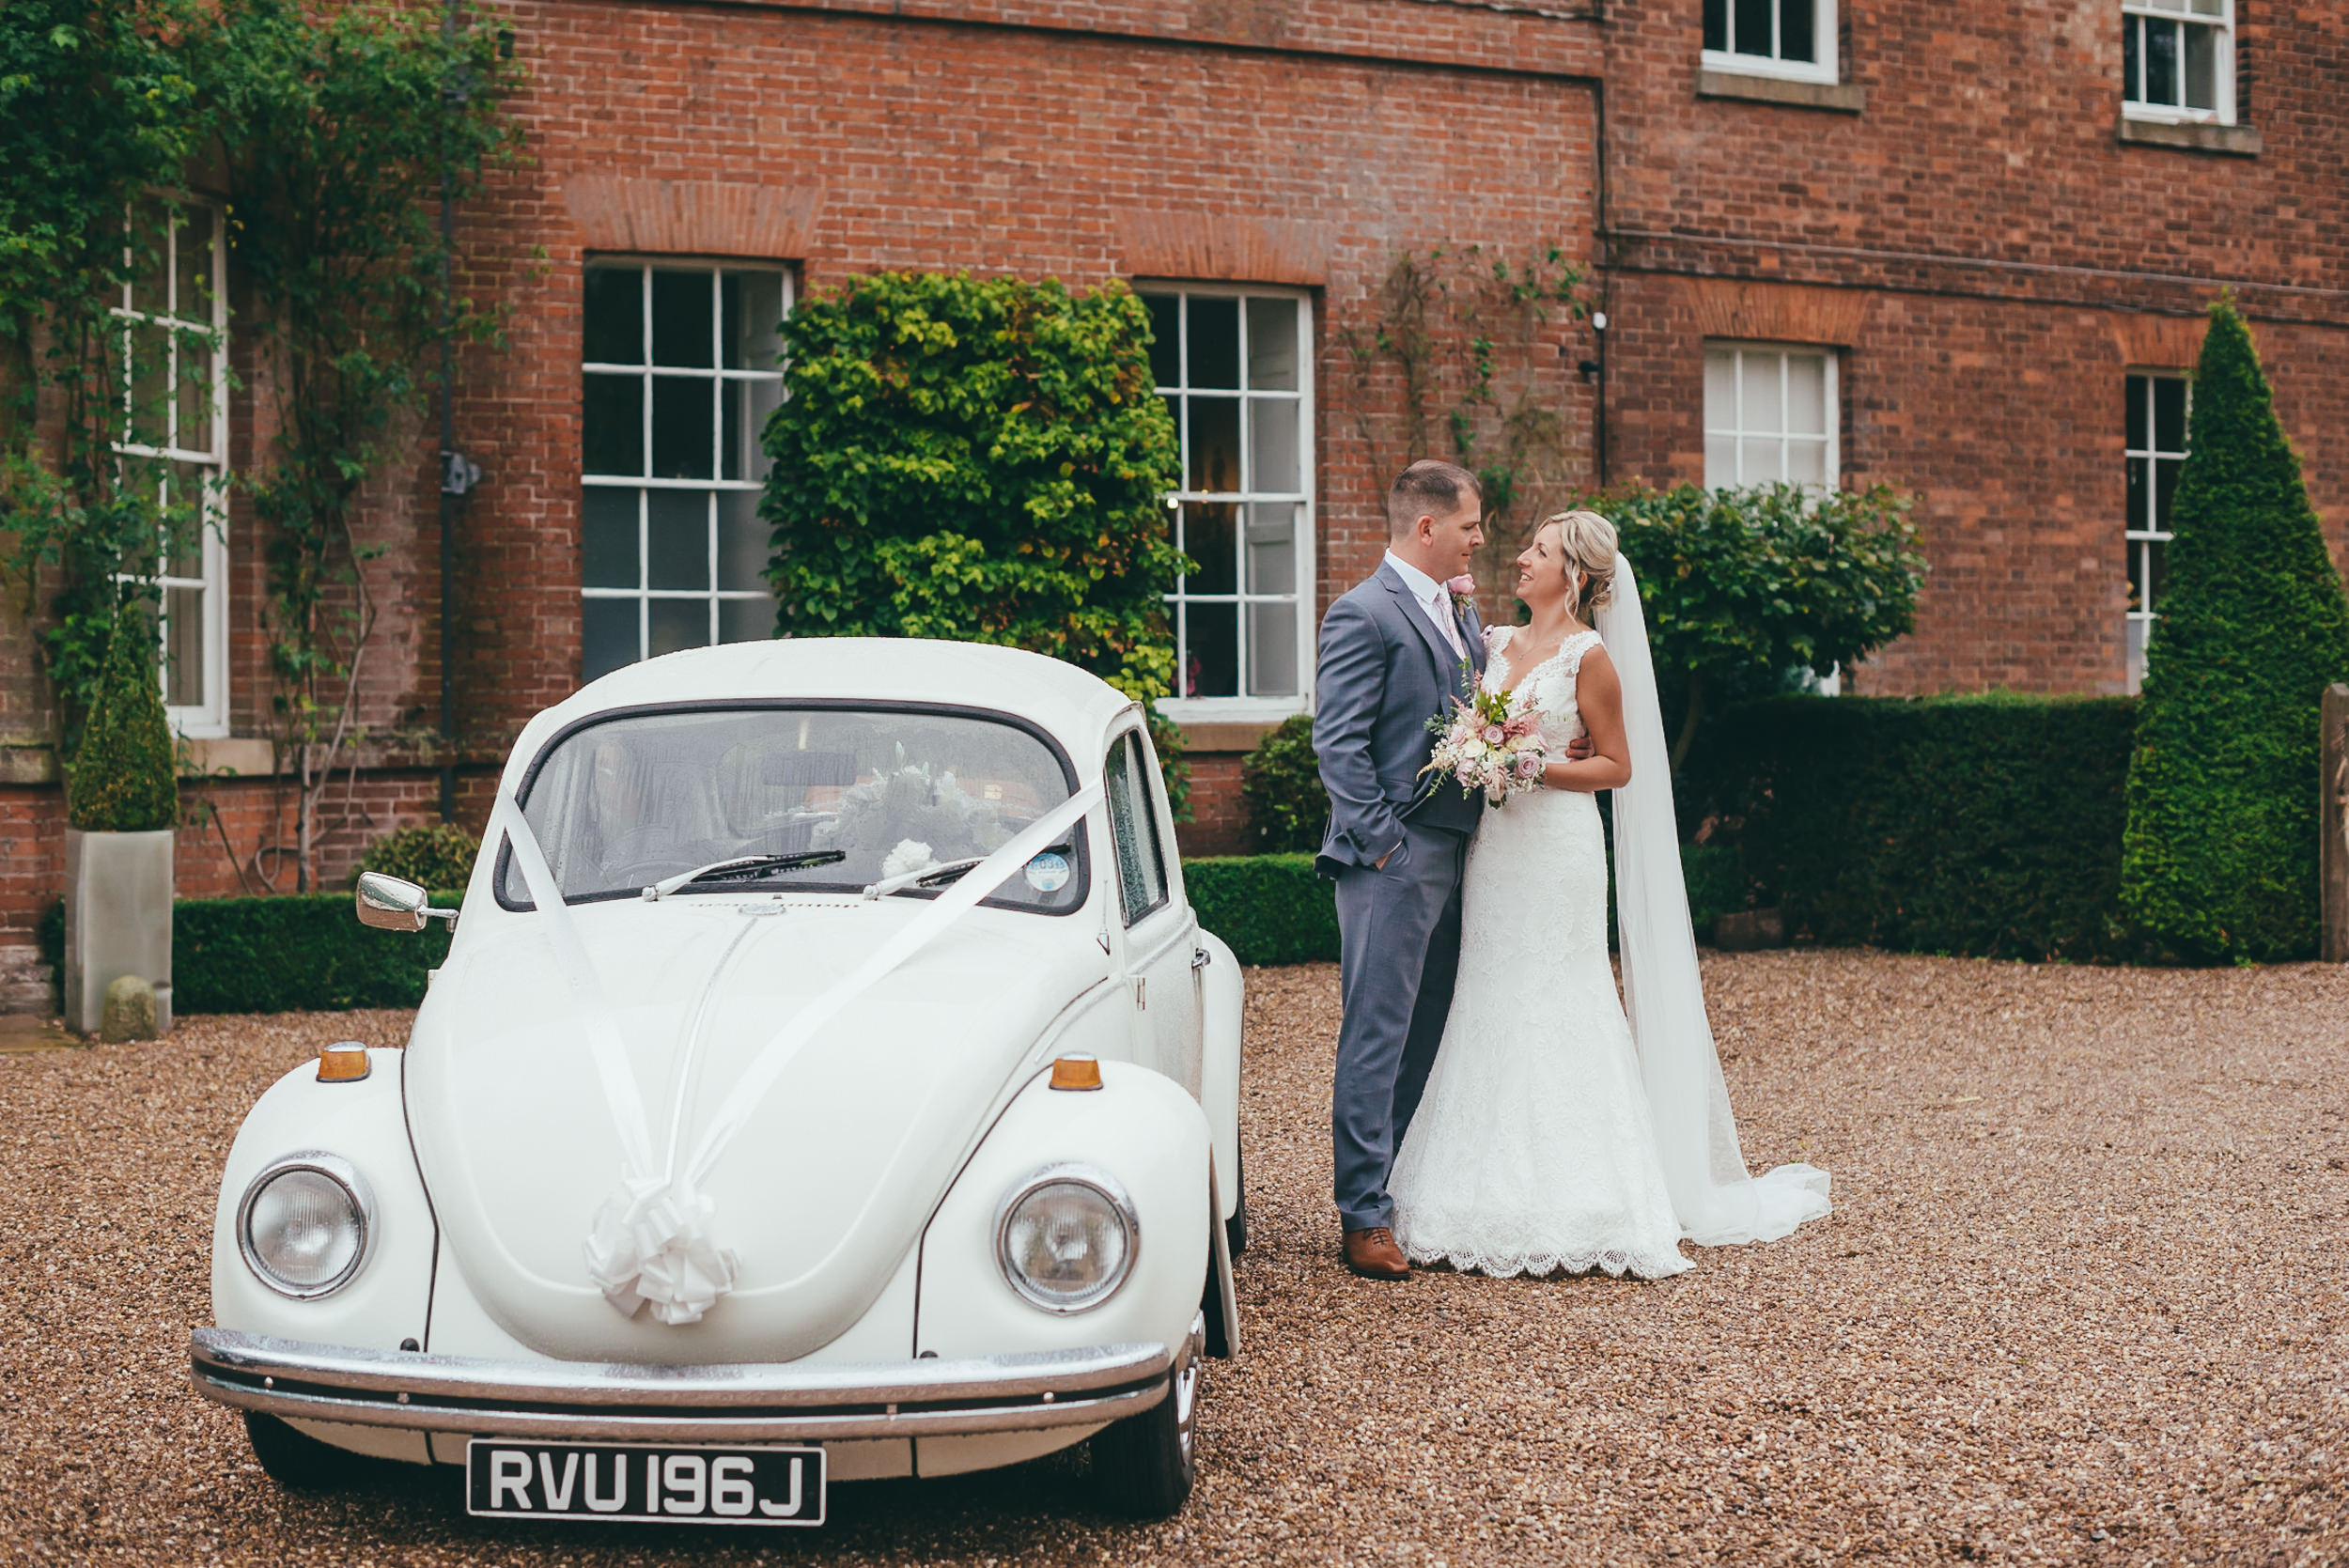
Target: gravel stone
{"points": [[2082, 1299]]}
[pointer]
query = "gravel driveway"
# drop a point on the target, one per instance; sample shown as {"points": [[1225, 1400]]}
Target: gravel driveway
{"points": [[2081, 1298]]}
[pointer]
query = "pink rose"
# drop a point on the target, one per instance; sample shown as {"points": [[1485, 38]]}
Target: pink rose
{"points": [[1529, 765], [1461, 587], [1494, 734]]}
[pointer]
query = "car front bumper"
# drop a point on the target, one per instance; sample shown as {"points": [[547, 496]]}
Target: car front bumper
{"points": [[756, 1401]]}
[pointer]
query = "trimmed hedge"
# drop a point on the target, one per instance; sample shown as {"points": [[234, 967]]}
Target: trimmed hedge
{"points": [[1985, 826], [304, 951], [1276, 910]]}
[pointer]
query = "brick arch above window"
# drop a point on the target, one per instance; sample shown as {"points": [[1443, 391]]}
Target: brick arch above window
{"points": [[2168, 342], [679, 217], [1217, 248], [1776, 312]]}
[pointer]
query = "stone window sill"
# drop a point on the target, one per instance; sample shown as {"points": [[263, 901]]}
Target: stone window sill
{"points": [[1225, 735], [1842, 97], [2242, 141]]}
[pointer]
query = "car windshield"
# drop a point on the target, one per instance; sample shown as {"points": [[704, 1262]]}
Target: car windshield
{"points": [[621, 804]]}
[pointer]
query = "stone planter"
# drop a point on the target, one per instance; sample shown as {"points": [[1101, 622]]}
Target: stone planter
{"points": [[118, 921]]}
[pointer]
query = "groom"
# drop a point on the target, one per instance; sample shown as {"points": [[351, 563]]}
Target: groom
{"points": [[1395, 652]]}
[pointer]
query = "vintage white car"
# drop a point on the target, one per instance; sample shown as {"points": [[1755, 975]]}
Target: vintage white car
{"points": [[826, 1080]]}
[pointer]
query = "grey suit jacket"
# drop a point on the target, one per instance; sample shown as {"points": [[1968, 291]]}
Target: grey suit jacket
{"points": [[1383, 672]]}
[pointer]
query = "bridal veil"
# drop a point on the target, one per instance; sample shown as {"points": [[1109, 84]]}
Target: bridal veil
{"points": [[1718, 1202]]}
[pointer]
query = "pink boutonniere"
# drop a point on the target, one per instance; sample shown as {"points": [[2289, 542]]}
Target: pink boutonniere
{"points": [[1463, 591]]}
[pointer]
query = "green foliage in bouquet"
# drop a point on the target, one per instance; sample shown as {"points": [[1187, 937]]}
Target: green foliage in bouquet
{"points": [[1742, 587], [124, 778], [983, 459], [2220, 861], [431, 855], [1279, 789]]}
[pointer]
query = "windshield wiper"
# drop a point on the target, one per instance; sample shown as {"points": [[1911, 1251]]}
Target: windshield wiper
{"points": [[929, 876], [742, 868]]}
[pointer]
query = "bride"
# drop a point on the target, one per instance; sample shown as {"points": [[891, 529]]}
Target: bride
{"points": [[1555, 1134]]}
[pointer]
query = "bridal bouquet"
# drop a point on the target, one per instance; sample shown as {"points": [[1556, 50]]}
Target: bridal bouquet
{"points": [[1490, 744]]}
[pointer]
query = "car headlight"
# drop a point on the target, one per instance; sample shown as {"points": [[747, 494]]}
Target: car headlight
{"points": [[1066, 1238], [304, 1225]]}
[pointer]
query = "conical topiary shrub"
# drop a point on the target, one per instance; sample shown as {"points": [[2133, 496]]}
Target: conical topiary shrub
{"points": [[2219, 857], [124, 781]]}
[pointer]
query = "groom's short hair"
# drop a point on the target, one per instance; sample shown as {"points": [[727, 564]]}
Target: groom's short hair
{"points": [[1429, 487]]}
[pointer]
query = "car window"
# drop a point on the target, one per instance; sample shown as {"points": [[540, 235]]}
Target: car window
{"points": [[1134, 828], [623, 802]]}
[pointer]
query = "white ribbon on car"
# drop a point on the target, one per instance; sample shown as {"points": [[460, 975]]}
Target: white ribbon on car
{"points": [[654, 1243]]}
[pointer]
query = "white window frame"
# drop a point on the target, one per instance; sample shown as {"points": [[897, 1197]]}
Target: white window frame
{"points": [[1825, 69], [2187, 13], [205, 448], [1831, 440], [643, 594], [1244, 708], [2139, 532]]}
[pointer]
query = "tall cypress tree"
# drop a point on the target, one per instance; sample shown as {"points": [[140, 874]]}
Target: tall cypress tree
{"points": [[2219, 858], [124, 779]]}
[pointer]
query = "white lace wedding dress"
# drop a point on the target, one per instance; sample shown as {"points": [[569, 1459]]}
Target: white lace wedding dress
{"points": [[1533, 1150]]}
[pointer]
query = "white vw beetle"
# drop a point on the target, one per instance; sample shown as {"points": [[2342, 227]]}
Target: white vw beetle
{"points": [[828, 1080]]}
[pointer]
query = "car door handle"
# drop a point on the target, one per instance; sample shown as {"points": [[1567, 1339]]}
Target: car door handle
{"points": [[1201, 958]]}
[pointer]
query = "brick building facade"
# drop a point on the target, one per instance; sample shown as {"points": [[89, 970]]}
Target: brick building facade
{"points": [[1962, 250]]}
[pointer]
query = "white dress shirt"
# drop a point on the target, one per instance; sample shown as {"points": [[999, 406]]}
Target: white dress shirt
{"points": [[1434, 597]]}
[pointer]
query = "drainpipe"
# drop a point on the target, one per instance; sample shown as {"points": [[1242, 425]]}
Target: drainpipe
{"points": [[458, 474]]}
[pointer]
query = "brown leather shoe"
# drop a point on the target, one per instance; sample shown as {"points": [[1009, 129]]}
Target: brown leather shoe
{"points": [[1374, 1255]]}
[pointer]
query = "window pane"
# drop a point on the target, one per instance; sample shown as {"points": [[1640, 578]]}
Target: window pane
{"points": [[150, 238], [1272, 345], [192, 430], [1212, 667], [1272, 427], [1753, 27], [2161, 62], [743, 541], [1165, 342], [615, 316], [1134, 830], [1208, 539], [1759, 405], [611, 427], [2165, 487], [732, 438], [2140, 494], [672, 623], [2132, 83], [1273, 549], [1214, 341], [1720, 390], [759, 402], [1721, 461], [1716, 24], [677, 540], [745, 620], [150, 384], [2136, 574], [607, 635], [2169, 414], [2201, 68], [1272, 650], [1796, 31], [1806, 395], [1759, 461], [2157, 574], [754, 311], [1806, 462], [2139, 397], [1214, 444], [683, 443], [683, 332], [191, 266], [607, 519], [184, 520], [183, 647]]}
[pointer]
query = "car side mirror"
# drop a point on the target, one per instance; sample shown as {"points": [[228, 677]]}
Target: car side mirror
{"points": [[389, 904]]}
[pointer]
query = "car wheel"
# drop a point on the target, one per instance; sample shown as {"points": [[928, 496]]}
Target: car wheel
{"points": [[294, 1460], [1143, 1467], [1235, 1228]]}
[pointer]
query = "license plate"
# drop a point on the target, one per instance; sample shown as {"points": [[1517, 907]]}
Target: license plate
{"points": [[643, 1483]]}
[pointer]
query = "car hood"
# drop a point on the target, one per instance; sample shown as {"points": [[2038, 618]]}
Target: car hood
{"points": [[828, 1184]]}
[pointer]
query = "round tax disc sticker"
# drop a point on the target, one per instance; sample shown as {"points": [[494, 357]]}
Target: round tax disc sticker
{"points": [[1048, 872]]}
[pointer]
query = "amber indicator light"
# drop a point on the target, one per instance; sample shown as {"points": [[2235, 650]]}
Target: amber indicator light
{"points": [[343, 1063], [1076, 1072]]}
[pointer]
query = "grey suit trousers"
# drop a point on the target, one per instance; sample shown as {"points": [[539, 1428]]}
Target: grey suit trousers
{"points": [[1399, 930]]}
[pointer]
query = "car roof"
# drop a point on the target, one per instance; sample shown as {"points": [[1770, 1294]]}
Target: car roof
{"points": [[1072, 706]]}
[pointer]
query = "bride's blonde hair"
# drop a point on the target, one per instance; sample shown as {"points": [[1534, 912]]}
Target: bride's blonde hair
{"points": [[1588, 542]]}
